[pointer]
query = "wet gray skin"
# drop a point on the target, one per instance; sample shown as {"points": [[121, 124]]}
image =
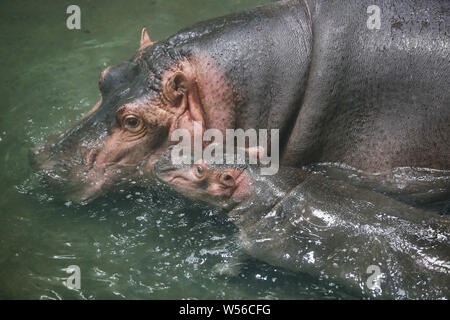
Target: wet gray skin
{"points": [[308, 223], [428, 189], [337, 91]]}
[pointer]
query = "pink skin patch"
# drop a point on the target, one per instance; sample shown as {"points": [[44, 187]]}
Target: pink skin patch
{"points": [[214, 93]]}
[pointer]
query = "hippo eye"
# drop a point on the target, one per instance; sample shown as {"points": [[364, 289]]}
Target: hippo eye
{"points": [[131, 122], [199, 171]]}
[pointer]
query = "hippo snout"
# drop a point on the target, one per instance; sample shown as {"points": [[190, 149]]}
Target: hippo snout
{"points": [[41, 157]]}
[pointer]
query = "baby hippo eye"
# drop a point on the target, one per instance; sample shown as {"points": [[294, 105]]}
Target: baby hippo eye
{"points": [[199, 171]]}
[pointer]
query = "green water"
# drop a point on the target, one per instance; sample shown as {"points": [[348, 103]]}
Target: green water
{"points": [[137, 245]]}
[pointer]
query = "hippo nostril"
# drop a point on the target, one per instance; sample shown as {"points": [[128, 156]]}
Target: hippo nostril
{"points": [[227, 179]]}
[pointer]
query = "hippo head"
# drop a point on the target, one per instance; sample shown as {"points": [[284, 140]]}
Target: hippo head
{"points": [[221, 185], [142, 101]]}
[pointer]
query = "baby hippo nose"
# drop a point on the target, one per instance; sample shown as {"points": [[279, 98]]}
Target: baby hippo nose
{"points": [[228, 179]]}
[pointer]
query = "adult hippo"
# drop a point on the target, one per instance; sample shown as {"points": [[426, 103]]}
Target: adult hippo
{"points": [[337, 90], [329, 229]]}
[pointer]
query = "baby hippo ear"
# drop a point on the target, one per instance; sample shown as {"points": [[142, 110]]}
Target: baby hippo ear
{"points": [[145, 39]]}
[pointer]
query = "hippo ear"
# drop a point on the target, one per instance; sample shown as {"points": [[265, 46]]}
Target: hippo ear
{"points": [[145, 39], [182, 93], [175, 88]]}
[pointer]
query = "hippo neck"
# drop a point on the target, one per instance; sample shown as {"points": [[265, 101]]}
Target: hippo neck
{"points": [[267, 191], [261, 59]]}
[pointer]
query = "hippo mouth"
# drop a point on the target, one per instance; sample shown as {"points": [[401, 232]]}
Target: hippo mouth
{"points": [[162, 173], [178, 179], [169, 174], [85, 186], [78, 184]]}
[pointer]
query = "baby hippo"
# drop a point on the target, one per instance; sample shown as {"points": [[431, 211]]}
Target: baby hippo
{"points": [[353, 238]]}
